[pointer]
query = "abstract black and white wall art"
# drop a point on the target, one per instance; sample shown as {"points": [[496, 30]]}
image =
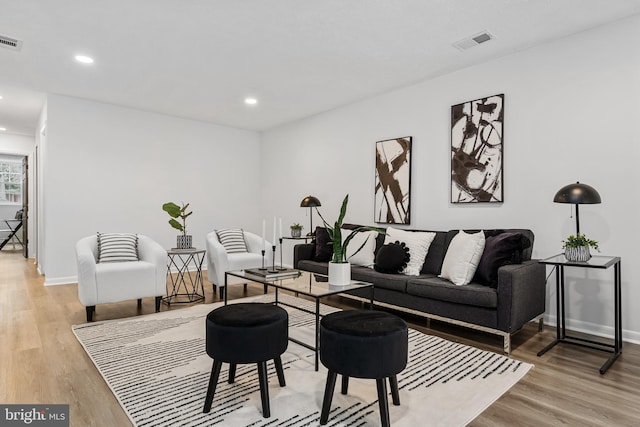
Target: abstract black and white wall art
{"points": [[393, 181], [476, 150]]}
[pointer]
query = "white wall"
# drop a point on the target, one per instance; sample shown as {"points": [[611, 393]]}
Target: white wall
{"points": [[571, 114], [110, 169], [20, 145]]}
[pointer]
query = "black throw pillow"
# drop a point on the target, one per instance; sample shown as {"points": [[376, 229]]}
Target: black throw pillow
{"points": [[324, 246], [392, 258], [502, 249]]}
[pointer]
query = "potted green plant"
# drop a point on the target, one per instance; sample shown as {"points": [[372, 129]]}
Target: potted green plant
{"points": [[339, 266], [296, 230], [576, 248], [183, 241]]}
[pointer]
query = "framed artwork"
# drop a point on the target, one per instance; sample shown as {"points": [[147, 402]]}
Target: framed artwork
{"points": [[393, 181], [476, 150]]}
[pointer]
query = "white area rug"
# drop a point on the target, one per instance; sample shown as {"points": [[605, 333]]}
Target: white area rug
{"points": [[157, 367]]}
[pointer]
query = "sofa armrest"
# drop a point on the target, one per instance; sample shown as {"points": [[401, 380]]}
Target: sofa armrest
{"points": [[217, 260], [302, 252], [521, 294], [86, 259]]}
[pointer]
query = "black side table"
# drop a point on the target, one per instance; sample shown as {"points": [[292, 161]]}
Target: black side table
{"points": [[192, 288], [601, 262]]}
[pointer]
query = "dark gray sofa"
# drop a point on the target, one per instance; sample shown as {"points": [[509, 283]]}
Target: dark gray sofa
{"points": [[518, 298]]}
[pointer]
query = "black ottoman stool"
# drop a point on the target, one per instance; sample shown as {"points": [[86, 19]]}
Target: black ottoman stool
{"points": [[246, 333], [363, 344]]}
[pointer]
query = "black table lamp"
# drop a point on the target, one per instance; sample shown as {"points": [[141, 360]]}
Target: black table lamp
{"points": [[310, 202], [577, 194]]}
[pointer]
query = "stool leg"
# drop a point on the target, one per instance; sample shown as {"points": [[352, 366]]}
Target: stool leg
{"points": [[213, 381], [382, 401], [278, 362], [232, 373], [328, 397], [264, 389], [345, 384], [395, 395]]}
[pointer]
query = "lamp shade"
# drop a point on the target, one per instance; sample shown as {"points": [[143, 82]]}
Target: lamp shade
{"points": [[310, 202], [577, 194]]}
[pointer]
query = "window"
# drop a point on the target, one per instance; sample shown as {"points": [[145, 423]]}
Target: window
{"points": [[10, 181]]}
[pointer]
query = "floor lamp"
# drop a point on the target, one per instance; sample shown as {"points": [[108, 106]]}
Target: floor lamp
{"points": [[577, 194], [310, 202]]}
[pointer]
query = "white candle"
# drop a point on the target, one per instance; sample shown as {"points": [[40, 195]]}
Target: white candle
{"points": [[264, 232], [281, 228], [274, 231]]}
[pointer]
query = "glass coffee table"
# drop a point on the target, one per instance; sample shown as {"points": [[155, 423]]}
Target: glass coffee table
{"points": [[312, 285]]}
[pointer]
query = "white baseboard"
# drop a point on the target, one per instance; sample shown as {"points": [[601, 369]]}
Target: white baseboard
{"points": [[594, 329], [60, 280]]}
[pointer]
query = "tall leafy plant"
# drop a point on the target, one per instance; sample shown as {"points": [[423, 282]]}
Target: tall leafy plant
{"points": [[335, 234], [176, 211]]}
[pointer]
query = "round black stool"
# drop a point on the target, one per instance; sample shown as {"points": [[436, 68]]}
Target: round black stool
{"points": [[363, 344], [246, 333]]}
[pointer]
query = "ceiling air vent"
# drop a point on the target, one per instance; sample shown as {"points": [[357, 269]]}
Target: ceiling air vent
{"points": [[475, 40], [10, 42]]}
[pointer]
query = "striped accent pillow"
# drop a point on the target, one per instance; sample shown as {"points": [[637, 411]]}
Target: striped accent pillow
{"points": [[232, 240], [117, 247]]}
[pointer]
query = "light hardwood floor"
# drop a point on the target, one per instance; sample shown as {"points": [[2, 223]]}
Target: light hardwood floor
{"points": [[42, 362]]}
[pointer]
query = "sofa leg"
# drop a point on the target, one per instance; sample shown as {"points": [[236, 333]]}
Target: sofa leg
{"points": [[507, 343], [541, 324], [90, 310]]}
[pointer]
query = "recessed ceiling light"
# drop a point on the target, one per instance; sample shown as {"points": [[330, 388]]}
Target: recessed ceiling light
{"points": [[84, 59], [250, 101], [3, 129]]}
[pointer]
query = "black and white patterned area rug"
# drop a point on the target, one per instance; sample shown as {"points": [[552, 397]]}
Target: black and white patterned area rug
{"points": [[157, 367]]}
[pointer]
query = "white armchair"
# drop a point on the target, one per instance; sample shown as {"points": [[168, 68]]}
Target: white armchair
{"points": [[102, 283], [219, 261]]}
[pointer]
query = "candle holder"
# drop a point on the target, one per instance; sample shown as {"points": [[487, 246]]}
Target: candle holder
{"points": [[263, 268], [273, 269], [281, 267]]}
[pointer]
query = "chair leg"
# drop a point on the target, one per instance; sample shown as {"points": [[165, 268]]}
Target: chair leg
{"points": [[221, 292], [232, 373], [264, 389], [278, 362], [244, 287], [266, 288], [381, 383], [158, 301], [90, 310], [213, 381], [395, 394], [139, 303], [328, 397], [345, 384]]}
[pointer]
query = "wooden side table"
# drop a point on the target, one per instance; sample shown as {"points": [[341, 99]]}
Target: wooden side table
{"points": [[601, 262], [184, 288]]}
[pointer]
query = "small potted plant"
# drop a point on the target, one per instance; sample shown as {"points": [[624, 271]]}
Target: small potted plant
{"points": [[339, 267], [576, 248], [296, 230], [183, 241]]}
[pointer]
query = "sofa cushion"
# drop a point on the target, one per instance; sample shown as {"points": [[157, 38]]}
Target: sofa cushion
{"points": [[361, 247], [396, 282], [443, 290], [117, 247], [435, 256], [462, 257], [418, 243], [313, 266], [501, 249], [392, 258], [232, 240], [324, 246]]}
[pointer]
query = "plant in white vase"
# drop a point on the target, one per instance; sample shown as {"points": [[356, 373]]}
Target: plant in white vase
{"points": [[339, 267], [576, 248]]}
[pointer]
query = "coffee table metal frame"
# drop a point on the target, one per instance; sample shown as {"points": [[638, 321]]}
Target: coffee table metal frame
{"points": [[304, 284]]}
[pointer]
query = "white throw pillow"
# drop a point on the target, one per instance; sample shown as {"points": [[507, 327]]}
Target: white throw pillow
{"points": [[418, 243], [462, 257], [365, 256]]}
